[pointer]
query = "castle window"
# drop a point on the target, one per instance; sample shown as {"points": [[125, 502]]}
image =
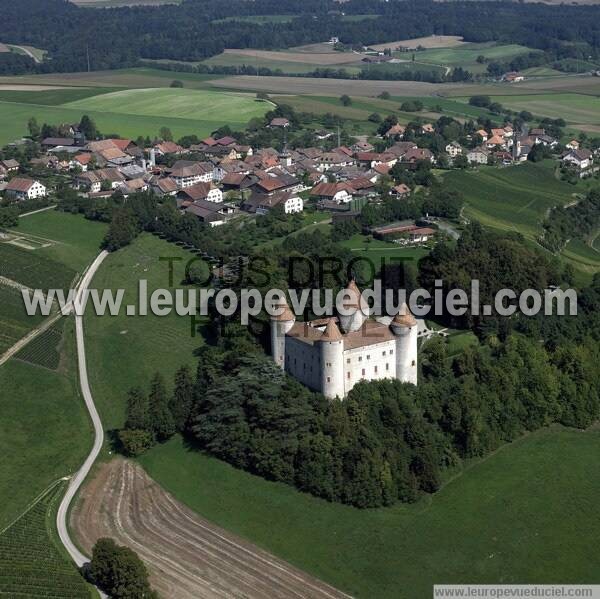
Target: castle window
{"points": [[360, 358], [375, 369], [328, 364], [348, 375], [368, 356], [387, 366], [383, 353], [329, 379], [363, 372], [413, 363], [391, 351], [347, 360]]}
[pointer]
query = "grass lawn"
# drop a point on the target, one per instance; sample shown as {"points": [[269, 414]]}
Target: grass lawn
{"points": [[125, 351], [515, 198], [75, 240], [517, 517], [53, 97], [44, 428], [584, 257]]}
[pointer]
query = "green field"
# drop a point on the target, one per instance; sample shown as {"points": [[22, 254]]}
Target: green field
{"points": [[45, 349], [126, 351], [131, 112], [515, 517], [14, 321], [44, 428], [515, 198], [74, 240]]}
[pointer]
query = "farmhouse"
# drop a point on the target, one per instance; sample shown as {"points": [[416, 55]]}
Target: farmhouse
{"points": [[211, 213], [581, 159], [262, 204], [10, 165], [339, 193], [478, 156], [187, 173], [513, 77], [21, 188], [200, 191], [453, 149]]}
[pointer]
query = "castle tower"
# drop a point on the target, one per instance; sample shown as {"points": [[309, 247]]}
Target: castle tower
{"points": [[332, 361], [280, 325], [359, 307], [404, 327]]}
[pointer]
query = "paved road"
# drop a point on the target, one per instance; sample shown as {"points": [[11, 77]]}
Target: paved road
{"points": [[79, 477]]}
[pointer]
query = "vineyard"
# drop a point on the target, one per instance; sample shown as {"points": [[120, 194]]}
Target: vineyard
{"points": [[30, 563], [14, 321], [33, 269], [44, 350]]}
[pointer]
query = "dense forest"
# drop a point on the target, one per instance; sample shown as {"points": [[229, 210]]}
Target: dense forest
{"points": [[119, 37]]}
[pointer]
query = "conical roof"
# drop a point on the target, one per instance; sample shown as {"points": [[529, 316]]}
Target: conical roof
{"points": [[286, 314], [404, 318], [332, 332], [353, 298]]}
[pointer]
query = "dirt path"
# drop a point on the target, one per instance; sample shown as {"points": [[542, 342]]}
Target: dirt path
{"points": [[187, 556]]}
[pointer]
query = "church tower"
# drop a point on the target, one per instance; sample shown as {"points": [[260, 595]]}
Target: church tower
{"points": [[332, 361], [280, 325], [404, 327]]}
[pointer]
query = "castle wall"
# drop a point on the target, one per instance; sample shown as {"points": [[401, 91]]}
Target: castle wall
{"points": [[303, 362], [371, 362]]}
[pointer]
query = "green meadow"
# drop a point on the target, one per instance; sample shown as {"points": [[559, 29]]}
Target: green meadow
{"points": [[132, 112], [125, 351], [515, 198], [514, 517]]}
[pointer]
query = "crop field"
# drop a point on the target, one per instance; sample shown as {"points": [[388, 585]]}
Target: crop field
{"points": [[31, 565], [44, 428], [489, 524], [32, 269], [574, 108], [512, 199], [44, 350], [259, 19], [52, 97], [583, 256], [14, 321], [432, 41], [127, 350], [137, 112]]}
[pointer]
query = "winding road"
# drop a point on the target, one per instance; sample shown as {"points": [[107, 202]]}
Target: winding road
{"points": [[79, 477]]}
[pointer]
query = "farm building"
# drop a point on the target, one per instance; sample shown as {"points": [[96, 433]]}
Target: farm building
{"points": [[21, 188]]}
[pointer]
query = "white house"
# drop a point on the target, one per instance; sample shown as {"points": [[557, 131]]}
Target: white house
{"points": [[22, 188], [581, 159], [340, 193], [478, 156], [453, 149]]}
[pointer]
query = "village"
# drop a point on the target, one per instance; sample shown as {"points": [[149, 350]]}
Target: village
{"points": [[219, 179]]}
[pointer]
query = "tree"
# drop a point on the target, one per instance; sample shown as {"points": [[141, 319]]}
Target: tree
{"points": [[135, 441], [183, 398], [161, 420], [118, 571], [34, 128], [345, 100], [138, 415], [88, 127], [165, 134], [176, 83], [122, 231], [384, 95]]}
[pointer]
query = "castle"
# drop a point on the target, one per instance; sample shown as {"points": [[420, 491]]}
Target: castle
{"points": [[331, 355]]}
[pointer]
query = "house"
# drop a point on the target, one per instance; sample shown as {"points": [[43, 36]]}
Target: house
{"points": [[482, 134], [513, 77], [581, 159], [10, 165], [187, 173], [496, 141], [478, 156], [262, 204], [573, 145], [133, 186], [416, 155], [57, 142], [330, 159], [276, 183], [427, 128], [339, 193], [453, 149], [547, 141], [395, 131], [279, 122], [22, 188], [88, 181], [400, 191], [168, 147], [81, 161], [322, 134], [200, 191], [403, 232], [110, 176], [165, 187], [211, 213]]}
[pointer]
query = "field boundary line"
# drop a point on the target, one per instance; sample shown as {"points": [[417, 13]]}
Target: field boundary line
{"points": [[37, 211]]}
